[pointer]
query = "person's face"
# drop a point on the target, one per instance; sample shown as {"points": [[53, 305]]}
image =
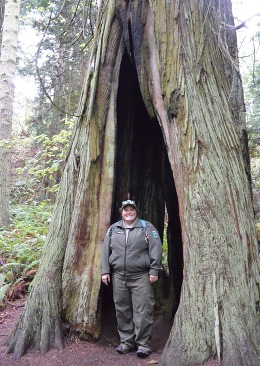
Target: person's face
{"points": [[129, 214]]}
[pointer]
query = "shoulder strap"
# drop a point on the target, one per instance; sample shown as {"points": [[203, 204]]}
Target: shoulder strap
{"points": [[143, 224], [145, 231], [111, 229]]}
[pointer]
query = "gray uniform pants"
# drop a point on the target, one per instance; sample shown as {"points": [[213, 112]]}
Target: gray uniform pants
{"points": [[134, 303]]}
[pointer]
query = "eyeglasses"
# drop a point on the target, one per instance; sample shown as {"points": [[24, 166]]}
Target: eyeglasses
{"points": [[128, 202]]}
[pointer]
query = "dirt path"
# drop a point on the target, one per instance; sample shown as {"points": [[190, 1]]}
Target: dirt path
{"points": [[81, 353]]}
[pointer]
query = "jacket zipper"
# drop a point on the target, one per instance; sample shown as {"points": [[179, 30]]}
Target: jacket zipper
{"points": [[126, 241], [125, 253]]}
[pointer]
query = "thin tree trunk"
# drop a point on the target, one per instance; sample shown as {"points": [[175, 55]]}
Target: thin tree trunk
{"points": [[2, 12], [7, 75]]}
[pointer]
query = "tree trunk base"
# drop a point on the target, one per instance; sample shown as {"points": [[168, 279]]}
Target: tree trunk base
{"points": [[40, 323]]}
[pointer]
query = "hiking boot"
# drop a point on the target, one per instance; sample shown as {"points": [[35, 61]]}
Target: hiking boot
{"points": [[143, 352], [124, 348]]}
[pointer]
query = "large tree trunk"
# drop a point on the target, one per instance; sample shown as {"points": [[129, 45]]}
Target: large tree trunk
{"points": [[201, 114], [7, 75], [82, 212], [162, 120]]}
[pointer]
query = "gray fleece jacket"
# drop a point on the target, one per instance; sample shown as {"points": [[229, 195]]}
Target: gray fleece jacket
{"points": [[134, 255]]}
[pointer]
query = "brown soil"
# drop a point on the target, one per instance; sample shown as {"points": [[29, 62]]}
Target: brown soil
{"points": [[81, 353]]}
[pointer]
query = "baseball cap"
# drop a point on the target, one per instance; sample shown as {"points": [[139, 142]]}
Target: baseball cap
{"points": [[128, 202]]}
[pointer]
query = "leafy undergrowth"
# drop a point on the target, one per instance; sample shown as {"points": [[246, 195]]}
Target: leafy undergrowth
{"points": [[21, 247]]}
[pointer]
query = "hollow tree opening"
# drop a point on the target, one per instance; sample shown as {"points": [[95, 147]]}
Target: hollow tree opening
{"points": [[143, 172], [174, 239]]}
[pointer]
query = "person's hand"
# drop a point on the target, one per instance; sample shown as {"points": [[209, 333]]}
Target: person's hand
{"points": [[106, 279], [153, 279]]}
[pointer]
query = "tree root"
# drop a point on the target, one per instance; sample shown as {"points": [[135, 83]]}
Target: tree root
{"points": [[40, 323]]}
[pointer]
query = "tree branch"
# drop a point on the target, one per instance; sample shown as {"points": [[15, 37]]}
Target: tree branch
{"points": [[243, 24], [38, 71]]}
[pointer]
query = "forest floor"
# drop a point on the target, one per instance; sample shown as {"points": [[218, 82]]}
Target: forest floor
{"points": [[77, 352], [81, 353]]}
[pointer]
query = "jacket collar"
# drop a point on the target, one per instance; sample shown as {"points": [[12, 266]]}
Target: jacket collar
{"points": [[137, 223]]}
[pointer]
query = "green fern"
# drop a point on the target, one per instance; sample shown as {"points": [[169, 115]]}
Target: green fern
{"points": [[22, 242]]}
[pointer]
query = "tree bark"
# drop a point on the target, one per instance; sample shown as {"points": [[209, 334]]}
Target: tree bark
{"points": [[181, 101], [82, 211], [2, 12], [40, 323], [7, 75], [201, 115]]}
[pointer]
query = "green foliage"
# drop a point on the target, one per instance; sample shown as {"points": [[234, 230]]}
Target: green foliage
{"points": [[24, 190], [165, 248], [252, 97], [251, 84], [5, 143], [21, 243], [63, 31], [48, 161]]}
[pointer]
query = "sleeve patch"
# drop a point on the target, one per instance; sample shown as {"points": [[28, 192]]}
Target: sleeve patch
{"points": [[155, 234]]}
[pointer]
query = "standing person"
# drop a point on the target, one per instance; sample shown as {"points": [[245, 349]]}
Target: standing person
{"points": [[132, 254]]}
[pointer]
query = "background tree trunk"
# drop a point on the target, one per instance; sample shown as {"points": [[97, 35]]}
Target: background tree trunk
{"points": [[161, 120], [7, 75], [2, 12]]}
